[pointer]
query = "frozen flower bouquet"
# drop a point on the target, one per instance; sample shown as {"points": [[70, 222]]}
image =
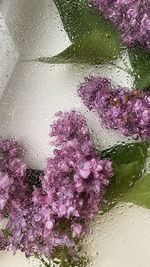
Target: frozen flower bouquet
{"points": [[46, 213]]}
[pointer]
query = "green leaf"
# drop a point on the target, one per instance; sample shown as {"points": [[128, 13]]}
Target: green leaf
{"points": [[80, 17], [7, 233], [94, 39], [126, 153], [125, 176], [67, 260], [140, 62], [94, 48], [139, 194], [129, 163]]}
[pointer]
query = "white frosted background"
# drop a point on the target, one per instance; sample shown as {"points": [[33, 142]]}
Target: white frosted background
{"points": [[120, 238], [8, 54], [33, 94]]}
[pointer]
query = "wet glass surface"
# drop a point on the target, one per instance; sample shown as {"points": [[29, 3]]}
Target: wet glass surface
{"points": [[31, 93]]}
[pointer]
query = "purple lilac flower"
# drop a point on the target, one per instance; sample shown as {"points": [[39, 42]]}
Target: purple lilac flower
{"points": [[27, 223], [30, 226], [127, 111], [131, 16], [75, 179], [72, 189]]}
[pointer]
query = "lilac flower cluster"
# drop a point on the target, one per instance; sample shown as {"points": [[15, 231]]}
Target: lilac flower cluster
{"points": [[72, 189], [26, 222], [75, 178], [127, 111], [131, 16]]}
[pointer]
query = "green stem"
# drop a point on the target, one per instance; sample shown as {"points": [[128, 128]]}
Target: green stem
{"points": [[43, 261]]}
